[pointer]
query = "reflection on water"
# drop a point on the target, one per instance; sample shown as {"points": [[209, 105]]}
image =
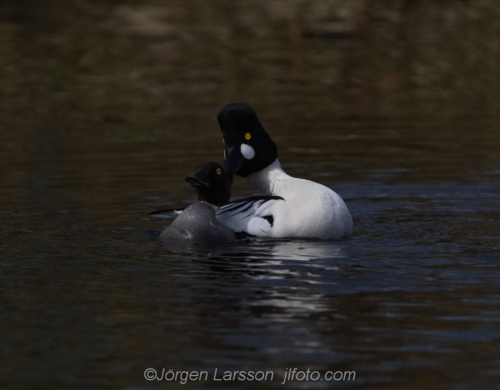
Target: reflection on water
{"points": [[255, 249], [106, 105]]}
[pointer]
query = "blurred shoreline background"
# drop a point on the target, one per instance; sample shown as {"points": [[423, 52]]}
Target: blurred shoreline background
{"points": [[387, 84]]}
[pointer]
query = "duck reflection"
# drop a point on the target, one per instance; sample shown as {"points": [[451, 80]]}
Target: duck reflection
{"points": [[267, 250]]}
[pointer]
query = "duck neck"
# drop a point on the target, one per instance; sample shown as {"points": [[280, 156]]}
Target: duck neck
{"points": [[267, 178], [213, 206]]}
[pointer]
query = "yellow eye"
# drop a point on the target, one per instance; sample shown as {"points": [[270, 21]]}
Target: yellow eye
{"points": [[223, 141], [248, 136]]}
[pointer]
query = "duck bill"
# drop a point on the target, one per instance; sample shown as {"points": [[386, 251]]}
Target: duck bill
{"points": [[234, 159], [198, 180]]}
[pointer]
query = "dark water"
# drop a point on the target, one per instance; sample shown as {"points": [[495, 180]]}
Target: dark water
{"points": [[106, 106]]}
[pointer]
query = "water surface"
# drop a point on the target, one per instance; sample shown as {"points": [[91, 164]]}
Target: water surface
{"points": [[106, 106]]}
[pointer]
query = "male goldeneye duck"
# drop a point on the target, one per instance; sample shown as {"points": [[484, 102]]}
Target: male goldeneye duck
{"points": [[198, 222], [301, 208]]}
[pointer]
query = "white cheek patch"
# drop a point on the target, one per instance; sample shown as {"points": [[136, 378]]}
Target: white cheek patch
{"points": [[247, 151]]}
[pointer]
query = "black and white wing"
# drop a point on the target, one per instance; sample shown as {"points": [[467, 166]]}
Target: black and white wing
{"points": [[254, 215], [166, 213]]}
